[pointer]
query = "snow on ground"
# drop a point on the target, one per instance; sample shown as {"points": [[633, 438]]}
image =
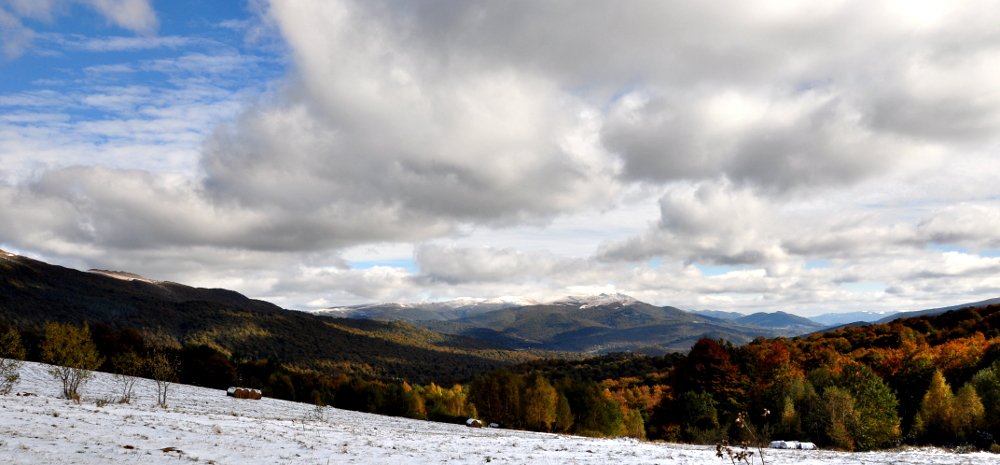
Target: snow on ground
{"points": [[204, 425]]}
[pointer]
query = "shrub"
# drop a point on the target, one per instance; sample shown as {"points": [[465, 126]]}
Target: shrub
{"points": [[11, 356]]}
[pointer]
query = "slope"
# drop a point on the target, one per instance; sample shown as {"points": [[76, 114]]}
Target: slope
{"points": [[32, 292], [938, 311], [204, 426]]}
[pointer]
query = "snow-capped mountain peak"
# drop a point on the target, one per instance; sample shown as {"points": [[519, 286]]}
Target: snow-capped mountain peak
{"points": [[585, 301], [511, 300]]}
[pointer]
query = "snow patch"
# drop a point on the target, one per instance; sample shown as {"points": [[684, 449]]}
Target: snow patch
{"points": [[584, 301], [124, 276]]}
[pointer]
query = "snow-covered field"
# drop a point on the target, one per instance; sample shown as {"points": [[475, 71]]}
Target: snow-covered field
{"points": [[203, 425]]}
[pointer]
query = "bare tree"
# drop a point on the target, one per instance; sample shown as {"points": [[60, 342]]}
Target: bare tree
{"points": [[163, 370], [128, 367]]}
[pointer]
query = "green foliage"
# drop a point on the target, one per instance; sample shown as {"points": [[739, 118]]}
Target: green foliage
{"points": [[564, 415], [497, 397], [696, 414], [616, 365], [987, 385], [594, 414], [842, 418], [74, 355], [800, 415], [448, 405], [878, 423]]}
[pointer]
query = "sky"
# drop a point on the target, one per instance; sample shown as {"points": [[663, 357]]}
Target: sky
{"points": [[807, 157]]}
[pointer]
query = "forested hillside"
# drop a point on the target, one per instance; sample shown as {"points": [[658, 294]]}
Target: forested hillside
{"points": [[33, 292], [927, 380]]}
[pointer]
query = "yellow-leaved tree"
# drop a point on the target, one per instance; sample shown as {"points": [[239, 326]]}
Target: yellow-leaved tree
{"points": [[74, 355], [969, 412], [936, 418], [945, 417], [11, 356], [540, 402]]}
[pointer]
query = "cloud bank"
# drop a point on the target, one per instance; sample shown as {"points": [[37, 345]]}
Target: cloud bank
{"points": [[857, 135]]}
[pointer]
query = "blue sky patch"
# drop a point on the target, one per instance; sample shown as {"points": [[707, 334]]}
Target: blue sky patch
{"points": [[408, 264], [709, 270], [865, 286], [948, 248]]}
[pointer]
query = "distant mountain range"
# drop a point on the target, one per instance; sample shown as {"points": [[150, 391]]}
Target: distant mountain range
{"points": [[425, 311], [834, 319], [592, 324], [605, 323], [719, 314], [389, 339]]}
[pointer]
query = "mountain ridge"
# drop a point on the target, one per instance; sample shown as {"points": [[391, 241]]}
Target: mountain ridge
{"points": [[34, 292], [582, 323]]}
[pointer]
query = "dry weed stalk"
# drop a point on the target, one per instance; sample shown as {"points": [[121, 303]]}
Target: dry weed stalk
{"points": [[743, 454]]}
